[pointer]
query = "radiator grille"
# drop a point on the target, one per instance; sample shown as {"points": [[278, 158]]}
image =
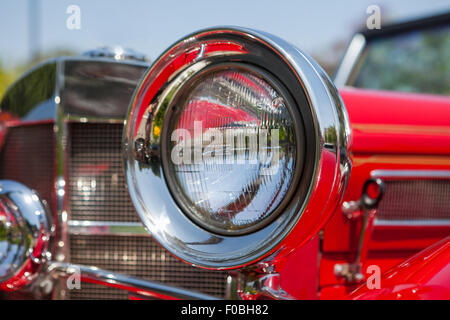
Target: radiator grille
{"points": [[415, 200], [96, 182], [28, 157], [141, 257], [97, 292], [97, 192]]}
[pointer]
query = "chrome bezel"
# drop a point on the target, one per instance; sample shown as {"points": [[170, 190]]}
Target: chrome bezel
{"points": [[314, 199]]}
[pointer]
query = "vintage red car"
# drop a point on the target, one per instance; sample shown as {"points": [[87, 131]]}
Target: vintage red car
{"points": [[255, 177]]}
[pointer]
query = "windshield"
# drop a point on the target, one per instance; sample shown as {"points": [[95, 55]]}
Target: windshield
{"points": [[416, 61]]}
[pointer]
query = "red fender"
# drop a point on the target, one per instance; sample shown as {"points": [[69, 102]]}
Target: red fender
{"points": [[425, 276]]}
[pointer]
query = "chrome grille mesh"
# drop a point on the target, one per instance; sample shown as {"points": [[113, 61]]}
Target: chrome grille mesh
{"points": [[141, 257], [97, 292], [421, 199], [97, 192], [97, 189]]}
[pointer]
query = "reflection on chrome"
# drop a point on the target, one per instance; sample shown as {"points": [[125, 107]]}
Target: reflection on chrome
{"points": [[25, 232], [133, 285]]}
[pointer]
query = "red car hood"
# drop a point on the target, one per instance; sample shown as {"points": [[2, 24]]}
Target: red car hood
{"points": [[393, 122]]}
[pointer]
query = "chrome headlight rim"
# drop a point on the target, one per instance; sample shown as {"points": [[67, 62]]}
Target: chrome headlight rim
{"points": [[147, 184]]}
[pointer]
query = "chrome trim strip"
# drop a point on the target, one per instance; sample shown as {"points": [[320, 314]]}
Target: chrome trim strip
{"points": [[419, 223], [90, 119], [82, 58], [140, 287], [61, 179], [78, 227], [440, 174], [349, 61]]}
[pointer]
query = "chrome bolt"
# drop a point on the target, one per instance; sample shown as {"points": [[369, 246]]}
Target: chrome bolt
{"points": [[140, 150]]}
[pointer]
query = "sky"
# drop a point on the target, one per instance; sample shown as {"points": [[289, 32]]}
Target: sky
{"points": [[151, 26]]}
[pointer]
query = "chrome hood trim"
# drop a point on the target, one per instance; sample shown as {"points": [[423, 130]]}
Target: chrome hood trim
{"points": [[137, 287]]}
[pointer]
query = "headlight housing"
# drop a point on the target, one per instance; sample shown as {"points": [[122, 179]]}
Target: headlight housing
{"points": [[236, 148]]}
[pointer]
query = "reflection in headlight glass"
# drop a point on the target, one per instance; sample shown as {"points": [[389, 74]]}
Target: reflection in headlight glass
{"points": [[232, 150]]}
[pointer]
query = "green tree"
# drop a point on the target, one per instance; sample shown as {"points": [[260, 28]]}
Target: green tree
{"points": [[6, 78]]}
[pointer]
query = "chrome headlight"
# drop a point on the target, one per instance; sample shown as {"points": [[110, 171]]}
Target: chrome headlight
{"points": [[24, 235], [234, 142]]}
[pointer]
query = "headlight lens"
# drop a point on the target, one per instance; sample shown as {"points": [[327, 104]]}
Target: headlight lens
{"points": [[231, 154]]}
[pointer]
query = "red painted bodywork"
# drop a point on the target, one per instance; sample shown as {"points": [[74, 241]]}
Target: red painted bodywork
{"points": [[425, 276], [390, 130], [386, 122]]}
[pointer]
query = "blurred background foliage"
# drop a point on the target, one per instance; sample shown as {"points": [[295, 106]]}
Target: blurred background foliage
{"points": [[414, 62], [7, 76], [34, 28]]}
